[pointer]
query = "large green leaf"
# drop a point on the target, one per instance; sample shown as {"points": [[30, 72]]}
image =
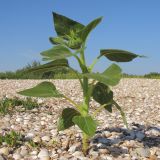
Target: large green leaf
{"points": [[103, 95], [87, 29], [57, 52], [64, 25], [44, 89], [111, 76], [118, 55], [86, 124], [65, 121], [60, 63]]}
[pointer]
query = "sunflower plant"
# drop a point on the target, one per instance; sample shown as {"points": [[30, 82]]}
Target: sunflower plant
{"points": [[71, 42]]}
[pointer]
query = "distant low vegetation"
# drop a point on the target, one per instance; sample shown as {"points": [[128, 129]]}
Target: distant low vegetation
{"points": [[58, 74], [24, 74], [151, 75], [21, 73]]}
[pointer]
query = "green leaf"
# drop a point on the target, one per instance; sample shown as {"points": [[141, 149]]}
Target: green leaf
{"points": [[56, 40], [60, 63], [103, 95], [111, 76], [57, 52], [44, 89], [64, 25], [118, 55], [65, 121], [86, 124], [87, 29]]}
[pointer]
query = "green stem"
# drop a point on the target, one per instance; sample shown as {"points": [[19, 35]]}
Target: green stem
{"points": [[82, 57], [72, 102], [85, 79], [93, 64], [122, 114], [85, 143], [99, 109]]}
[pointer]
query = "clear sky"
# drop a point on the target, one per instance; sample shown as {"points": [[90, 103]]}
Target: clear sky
{"points": [[133, 25]]}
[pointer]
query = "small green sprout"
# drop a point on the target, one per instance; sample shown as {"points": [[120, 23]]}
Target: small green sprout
{"points": [[29, 104], [12, 139], [7, 105], [32, 143], [71, 42]]}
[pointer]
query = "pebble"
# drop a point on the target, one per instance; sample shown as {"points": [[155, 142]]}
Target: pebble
{"points": [[24, 151], [94, 154], [37, 139], [140, 136], [19, 119], [42, 122], [153, 157], [4, 151], [72, 149], [158, 152], [63, 158], [132, 135], [1, 158], [77, 154], [143, 152], [45, 138], [106, 157], [107, 134], [103, 140], [34, 152], [154, 132], [33, 157], [65, 143], [103, 151], [43, 154], [17, 156], [29, 136]]}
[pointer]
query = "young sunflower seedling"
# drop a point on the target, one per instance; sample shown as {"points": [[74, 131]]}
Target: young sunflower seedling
{"points": [[71, 42]]}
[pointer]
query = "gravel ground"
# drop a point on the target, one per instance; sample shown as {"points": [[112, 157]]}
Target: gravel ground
{"points": [[140, 99]]}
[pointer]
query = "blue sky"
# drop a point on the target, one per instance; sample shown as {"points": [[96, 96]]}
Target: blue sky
{"points": [[25, 26]]}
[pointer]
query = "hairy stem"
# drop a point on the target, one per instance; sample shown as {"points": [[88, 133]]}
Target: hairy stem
{"points": [[82, 57], [85, 143], [72, 102], [82, 63], [93, 64], [100, 109], [85, 79], [122, 114], [86, 95]]}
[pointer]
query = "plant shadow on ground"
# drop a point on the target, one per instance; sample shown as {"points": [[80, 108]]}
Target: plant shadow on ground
{"points": [[113, 145]]}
